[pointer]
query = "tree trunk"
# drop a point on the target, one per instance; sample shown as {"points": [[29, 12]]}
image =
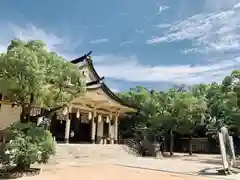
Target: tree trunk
{"points": [[190, 145], [23, 115], [48, 114], [171, 142], [165, 143]]}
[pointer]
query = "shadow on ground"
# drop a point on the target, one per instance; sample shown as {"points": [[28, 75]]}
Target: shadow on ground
{"points": [[210, 172]]}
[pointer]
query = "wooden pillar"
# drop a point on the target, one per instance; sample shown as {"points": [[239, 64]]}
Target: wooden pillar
{"points": [[93, 131], [116, 129], [100, 130], [4, 138], [67, 127], [110, 134]]}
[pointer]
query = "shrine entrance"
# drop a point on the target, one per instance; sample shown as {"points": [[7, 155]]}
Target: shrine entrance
{"points": [[80, 130], [92, 116]]}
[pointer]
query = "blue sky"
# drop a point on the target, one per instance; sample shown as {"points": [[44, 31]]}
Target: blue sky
{"points": [[154, 43]]}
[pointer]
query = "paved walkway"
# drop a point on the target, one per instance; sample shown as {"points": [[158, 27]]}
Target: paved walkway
{"points": [[177, 166], [129, 168], [108, 172], [112, 162]]}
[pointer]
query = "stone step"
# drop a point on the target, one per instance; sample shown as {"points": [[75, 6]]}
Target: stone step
{"points": [[89, 152]]}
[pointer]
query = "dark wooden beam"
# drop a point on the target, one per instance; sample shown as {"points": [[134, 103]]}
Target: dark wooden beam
{"points": [[98, 81], [82, 58]]}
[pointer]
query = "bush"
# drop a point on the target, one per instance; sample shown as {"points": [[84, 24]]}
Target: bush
{"points": [[28, 144]]}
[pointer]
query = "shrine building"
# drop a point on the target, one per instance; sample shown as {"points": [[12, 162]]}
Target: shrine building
{"points": [[90, 118]]}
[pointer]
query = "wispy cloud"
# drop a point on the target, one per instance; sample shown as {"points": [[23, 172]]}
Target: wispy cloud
{"points": [[98, 41], [115, 90], [132, 70], [163, 26], [209, 32], [162, 8], [140, 31], [124, 43], [31, 32], [237, 5], [126, 68], [215, 33]]}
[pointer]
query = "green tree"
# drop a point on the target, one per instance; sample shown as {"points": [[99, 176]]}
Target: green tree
{"points": [[140, 98], [222, 107], [28, 144], [32, 76], [181, 109], [191, 114]]}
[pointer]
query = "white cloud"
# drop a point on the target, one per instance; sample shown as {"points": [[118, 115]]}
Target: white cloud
{"points": [[215, 31], [162, 8], [163, 26], [31, 32], [129, 69], [237, 5], [140, 31], [97, 41], [126, 68], [114, 90], [219, 5]]}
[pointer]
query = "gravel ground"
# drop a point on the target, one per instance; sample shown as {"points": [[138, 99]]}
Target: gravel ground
{"points": [[100, 162], [179, 168], [108, 172]]}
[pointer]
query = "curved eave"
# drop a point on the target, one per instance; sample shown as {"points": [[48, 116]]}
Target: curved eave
{"points": [[110, 94], [103, 85], [106, 89]]}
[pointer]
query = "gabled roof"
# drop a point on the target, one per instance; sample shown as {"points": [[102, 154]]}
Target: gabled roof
{"points": [[99, 79]]}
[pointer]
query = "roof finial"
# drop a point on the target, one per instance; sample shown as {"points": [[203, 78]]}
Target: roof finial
{"points": [[82, 58]]}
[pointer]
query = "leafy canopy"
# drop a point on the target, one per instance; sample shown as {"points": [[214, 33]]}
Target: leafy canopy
{"points": [[182, 109], [30, 75]]}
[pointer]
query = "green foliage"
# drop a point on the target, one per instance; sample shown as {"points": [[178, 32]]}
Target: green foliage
{"points": [[28, 144], [31, 75], [184, 109]]}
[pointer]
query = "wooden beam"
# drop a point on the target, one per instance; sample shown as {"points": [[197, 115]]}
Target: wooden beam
{"points": [[88, 109]]}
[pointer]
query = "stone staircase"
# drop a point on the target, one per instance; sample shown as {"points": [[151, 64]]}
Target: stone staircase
{"points": [[77, 154]]}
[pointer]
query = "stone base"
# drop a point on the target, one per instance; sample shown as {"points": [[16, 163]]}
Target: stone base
{"points": [[216, 171], [66, 141], [224, 171], [98, 140]]}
